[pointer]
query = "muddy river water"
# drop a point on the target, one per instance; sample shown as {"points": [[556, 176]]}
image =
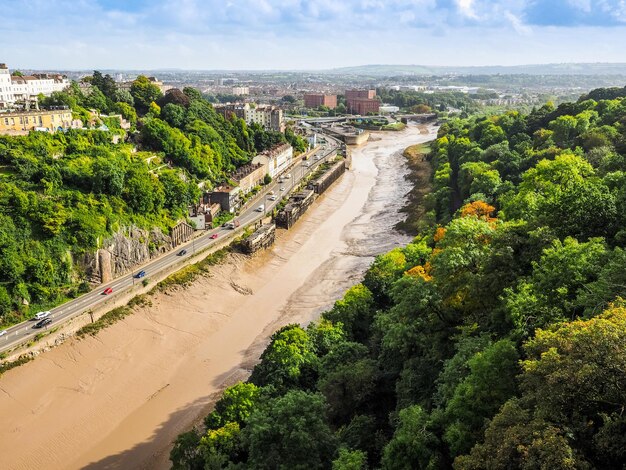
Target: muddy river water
{"points": [[118, 400]]}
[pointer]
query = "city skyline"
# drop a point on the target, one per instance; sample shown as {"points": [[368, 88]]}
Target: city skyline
{"points": [[315, 35]]}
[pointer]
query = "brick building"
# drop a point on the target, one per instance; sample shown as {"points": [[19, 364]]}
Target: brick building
{"points": [[363, 106], [362, 101], [354, 94], [249, 176], [315, 100]]}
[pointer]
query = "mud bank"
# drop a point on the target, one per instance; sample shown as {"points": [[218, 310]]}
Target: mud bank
{"points": [[118, 400]]}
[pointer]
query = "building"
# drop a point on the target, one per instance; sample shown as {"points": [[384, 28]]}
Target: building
{"points": [[354, 94], [275, 160], [315, 100], [363, 106], [227, 110], [25, 89], [6, 87], [362, 101], [228, 197], [241, 90], [24, 121], [389, 109], [271, 118], [248, 176]]}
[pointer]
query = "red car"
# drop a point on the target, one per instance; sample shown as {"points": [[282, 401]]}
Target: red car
{"points": [[214, 236], [108, 290]]}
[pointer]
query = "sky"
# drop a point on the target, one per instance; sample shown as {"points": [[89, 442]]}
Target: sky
{"points": [[307, 34]]}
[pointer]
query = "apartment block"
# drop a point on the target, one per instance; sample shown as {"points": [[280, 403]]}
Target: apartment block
{"points": [[22, 122], [315, 100], [275, 160], [14, 88]]}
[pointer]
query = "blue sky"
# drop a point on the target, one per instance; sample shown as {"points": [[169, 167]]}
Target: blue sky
{"points": [[307, 34]]}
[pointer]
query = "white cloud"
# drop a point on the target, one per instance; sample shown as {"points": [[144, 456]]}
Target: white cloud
{"points": [[518, 24], [466, 7]]}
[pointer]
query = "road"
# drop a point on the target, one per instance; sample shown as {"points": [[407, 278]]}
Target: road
{"points": [[25, 331]]}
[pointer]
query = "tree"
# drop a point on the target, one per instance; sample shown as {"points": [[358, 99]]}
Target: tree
{"points": [[516, 441], [559, 278], [382, 273], [350, 460], [185, 454], [144, 92], [478, 396], [96, 100], [174, 115], [235, 406], [192, 93], [570, 412], [414, 444], [174, 96], [124, 96], [289, 361], [127, 112], [289, 432], [354, 312]]}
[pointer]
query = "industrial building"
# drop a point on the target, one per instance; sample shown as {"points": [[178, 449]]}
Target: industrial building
{"points": [[315, 100]]}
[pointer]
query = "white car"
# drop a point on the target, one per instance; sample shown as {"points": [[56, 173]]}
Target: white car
{"points": [[282, 189], [42, 315], [3, 332], [306, 164], [273, 198], [261, 208]]}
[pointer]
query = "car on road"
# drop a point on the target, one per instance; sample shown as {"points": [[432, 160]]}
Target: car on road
{"points": [[140, 274], [261, 208], [273, 197], [107, 291], [42, 315], [3, 332], [317, 157], [288, 176], [42, 323], [214, 236], [282, 189], [182, 252], [306, 164]]}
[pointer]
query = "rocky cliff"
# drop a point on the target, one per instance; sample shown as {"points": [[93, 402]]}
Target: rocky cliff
{"points": [[129, 247]]}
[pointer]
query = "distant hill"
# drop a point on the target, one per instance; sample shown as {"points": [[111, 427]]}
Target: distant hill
{"points": [[535, 69]]}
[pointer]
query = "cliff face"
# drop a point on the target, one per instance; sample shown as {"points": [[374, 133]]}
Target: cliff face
{"points": [[126, 249]]}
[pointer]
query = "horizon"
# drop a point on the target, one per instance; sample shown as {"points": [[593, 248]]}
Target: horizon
{"points": [[316, 35], [305, 70]]}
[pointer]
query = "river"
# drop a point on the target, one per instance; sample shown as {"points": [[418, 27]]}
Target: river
{"points": [[119, 399]]}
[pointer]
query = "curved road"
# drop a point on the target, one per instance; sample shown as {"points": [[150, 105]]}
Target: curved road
{"points": [[25, 331]]}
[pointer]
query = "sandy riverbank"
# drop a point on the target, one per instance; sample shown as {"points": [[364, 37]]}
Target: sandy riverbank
{"points": [[117, 400]]}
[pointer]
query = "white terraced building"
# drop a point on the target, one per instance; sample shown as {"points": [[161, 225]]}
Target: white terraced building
{"points": [[24, 89]]}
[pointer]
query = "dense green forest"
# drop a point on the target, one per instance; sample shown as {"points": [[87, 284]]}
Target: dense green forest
{"points": [[495, 340], [62, 194]]}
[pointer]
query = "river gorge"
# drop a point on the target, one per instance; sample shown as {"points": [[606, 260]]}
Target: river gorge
{"points": [[118, 400]]}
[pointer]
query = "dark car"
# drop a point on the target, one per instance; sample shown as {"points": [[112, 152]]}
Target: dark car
{"points": [[42, 323], [182, 252], [140, 274]]}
